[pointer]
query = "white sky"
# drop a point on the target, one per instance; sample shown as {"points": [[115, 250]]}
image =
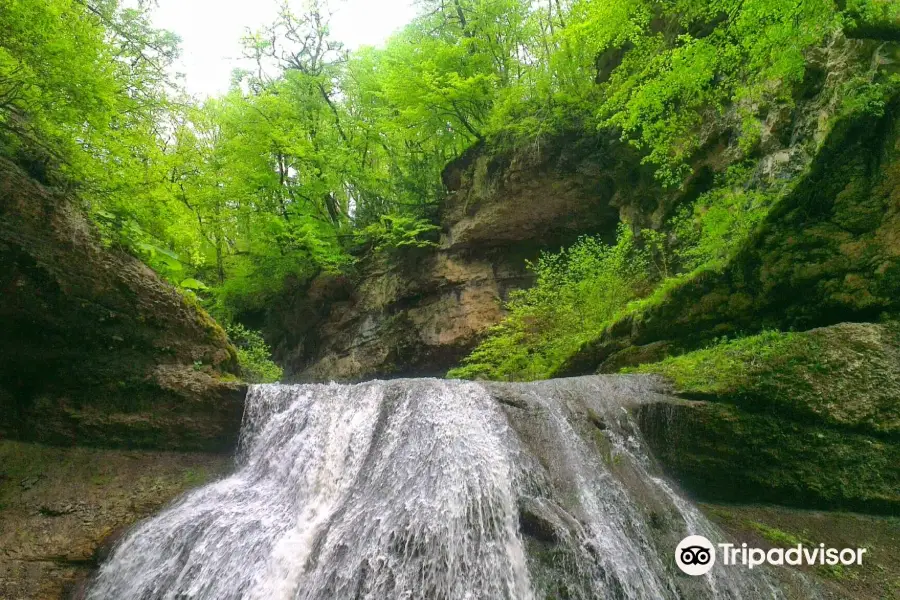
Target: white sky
{"points": [[210, 31]]}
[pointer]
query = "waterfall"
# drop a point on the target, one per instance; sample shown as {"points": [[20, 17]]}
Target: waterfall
{"points": [[429, 490]]}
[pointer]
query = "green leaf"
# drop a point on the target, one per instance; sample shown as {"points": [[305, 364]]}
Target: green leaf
{"points": [[193, 284]]}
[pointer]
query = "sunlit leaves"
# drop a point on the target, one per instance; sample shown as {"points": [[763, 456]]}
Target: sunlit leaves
{"points": [[683, 60], [313, 144]]}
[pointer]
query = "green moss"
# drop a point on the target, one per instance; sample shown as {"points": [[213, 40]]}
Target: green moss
{"points": [[777, 536], [731, 367], [101, 479], [844, 375], [824, 253], [722, 453], [838, 572], [556, 572], [875, 579], [196, 476], [806, 419]]}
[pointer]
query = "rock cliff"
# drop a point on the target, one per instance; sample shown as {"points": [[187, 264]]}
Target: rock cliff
{"points": [[805, 419], [96, 352], [827, 252], [96, 349], [419, 311]]}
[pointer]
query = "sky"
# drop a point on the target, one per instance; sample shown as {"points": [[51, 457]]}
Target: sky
{"points": [[210, 31]]}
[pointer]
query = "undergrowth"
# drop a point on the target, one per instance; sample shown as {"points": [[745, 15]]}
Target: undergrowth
{"points": [[254, 355]]}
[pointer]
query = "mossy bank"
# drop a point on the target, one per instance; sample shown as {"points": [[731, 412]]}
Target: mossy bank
{"points": [[804, 419]]}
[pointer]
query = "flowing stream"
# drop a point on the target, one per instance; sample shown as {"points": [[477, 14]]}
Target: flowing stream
{"points": [[430, 490]]}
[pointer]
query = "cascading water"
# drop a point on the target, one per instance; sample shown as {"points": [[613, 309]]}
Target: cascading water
{"points": [[431, 490]]}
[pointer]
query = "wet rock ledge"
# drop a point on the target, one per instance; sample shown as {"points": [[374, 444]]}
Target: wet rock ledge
{"points": [[62, 509]]}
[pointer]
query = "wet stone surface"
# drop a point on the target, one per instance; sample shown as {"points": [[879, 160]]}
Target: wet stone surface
{"points": [[61, 509]]}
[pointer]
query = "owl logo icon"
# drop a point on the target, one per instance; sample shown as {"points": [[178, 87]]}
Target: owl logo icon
{"points": [[695, 555]]}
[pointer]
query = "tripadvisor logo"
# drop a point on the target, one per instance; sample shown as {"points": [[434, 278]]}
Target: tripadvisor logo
{"points": [[696, 555]]}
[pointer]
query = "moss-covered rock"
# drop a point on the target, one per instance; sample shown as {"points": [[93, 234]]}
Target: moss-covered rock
{"points": [[96, 349], [805, 419], [719, 452], [547, 193], [847, 375], [877, 578], [828, 252]]}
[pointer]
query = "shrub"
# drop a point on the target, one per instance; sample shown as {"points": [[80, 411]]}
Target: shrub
{"points": [[254, 355], [577, 292], [395, 231]]}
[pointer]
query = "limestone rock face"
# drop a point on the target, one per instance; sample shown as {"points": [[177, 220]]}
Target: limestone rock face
{"points": [[412, 315], [807, 419], [95, 349], [543, 194]]}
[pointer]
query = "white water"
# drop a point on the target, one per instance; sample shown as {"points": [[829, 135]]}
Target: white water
{"points": [[428, 490]]}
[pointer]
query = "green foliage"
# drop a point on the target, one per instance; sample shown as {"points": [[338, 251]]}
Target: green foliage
{"points": [[83, 86], [517, 70], [686, 60], [400, 231], [123, 231], [193, 284], [778, 537], [727, 367], [708, 231], [55, 69], [254, 355], [862, 96], [873, 14], [576, 293], [315, 148]]}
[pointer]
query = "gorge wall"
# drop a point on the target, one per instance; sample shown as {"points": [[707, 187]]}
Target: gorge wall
{"points": [[828, 252], [116, 392], [96, 349], [420, 311]]}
